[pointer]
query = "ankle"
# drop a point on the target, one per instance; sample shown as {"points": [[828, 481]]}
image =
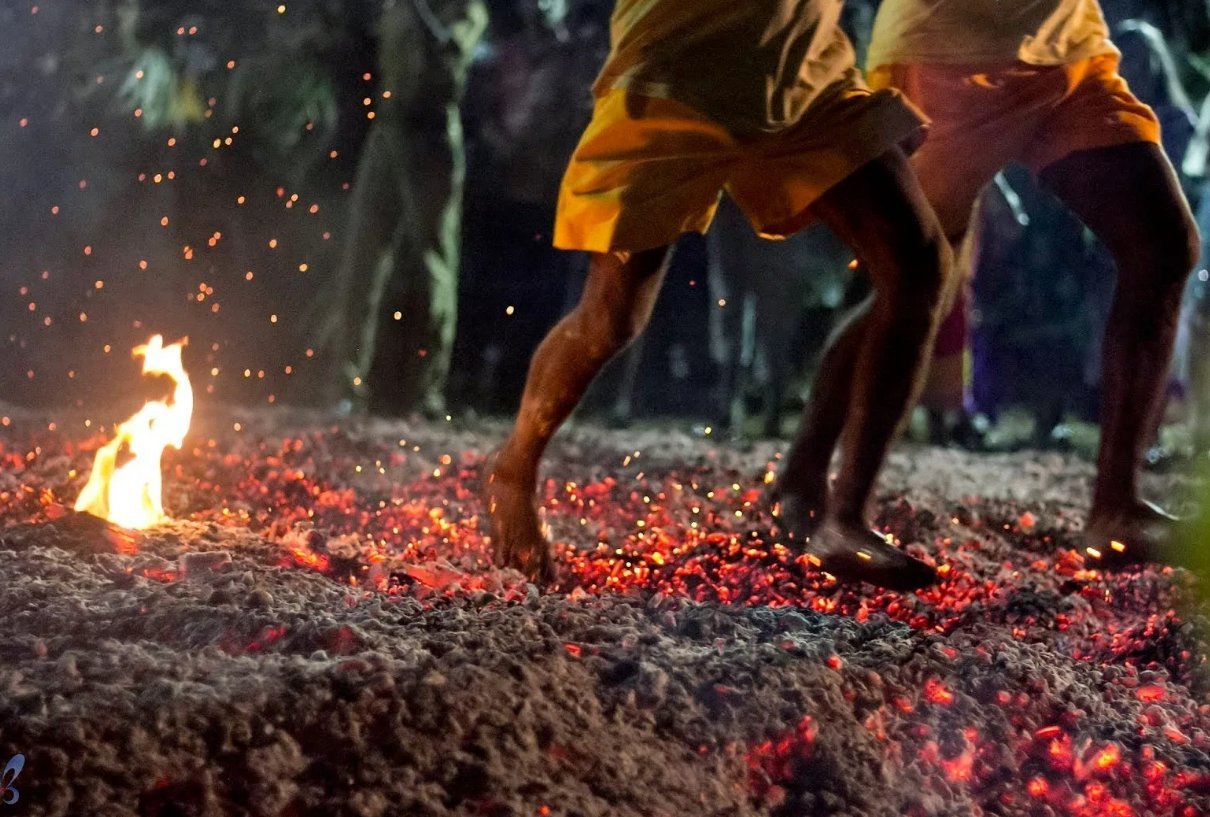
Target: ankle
{"points": [[506, 466], [812, 498], [846, 520], [1115, 507], [806, 486], [1112, 495]]}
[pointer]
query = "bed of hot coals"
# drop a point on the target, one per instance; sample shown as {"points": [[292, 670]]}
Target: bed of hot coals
{"points": [[320, 632]]}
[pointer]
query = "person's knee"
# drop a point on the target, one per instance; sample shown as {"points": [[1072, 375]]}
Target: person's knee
{"points": [[1181, 247], [625, 325], [1167, 256], [618, 298]]}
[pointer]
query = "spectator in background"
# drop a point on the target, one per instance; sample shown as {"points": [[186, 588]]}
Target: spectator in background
{"points": [[526, 106], [389, 317], [765, 296], [994, 250]]}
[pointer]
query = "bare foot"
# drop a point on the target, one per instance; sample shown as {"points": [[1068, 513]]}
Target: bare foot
{"points": [[854, 553], [799, 516], [1120, 538], [516, 532]]}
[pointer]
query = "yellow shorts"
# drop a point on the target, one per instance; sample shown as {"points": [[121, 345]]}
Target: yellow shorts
{"points": [[648, 169], [982, 117]]}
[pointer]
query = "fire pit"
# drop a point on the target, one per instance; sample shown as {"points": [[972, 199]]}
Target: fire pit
{"points": [[319, 631]]}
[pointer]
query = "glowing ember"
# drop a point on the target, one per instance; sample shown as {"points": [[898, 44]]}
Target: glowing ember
{"points": [[937, 692], [1024, 685], [129, 494], [1108, 757]]}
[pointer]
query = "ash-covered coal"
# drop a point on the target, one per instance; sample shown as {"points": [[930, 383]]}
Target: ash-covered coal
{"points": [[321, 633]]}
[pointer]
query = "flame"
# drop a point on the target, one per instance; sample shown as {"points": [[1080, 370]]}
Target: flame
{"points": [[130, 495]]}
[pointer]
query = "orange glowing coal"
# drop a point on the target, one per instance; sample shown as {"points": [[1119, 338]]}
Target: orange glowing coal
{"points": [[129, 494]]}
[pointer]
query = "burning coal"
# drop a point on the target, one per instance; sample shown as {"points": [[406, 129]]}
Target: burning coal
{"points": [[130, 494], [688, 646]]}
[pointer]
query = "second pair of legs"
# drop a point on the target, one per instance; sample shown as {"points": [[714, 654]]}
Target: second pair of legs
{"points": [[869, 376]]}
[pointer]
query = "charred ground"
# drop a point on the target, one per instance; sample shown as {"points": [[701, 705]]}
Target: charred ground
{"points": [[320, 632]]}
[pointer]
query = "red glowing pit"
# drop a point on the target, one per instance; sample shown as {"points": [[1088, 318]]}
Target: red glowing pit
{"points": [[1022, 680]]}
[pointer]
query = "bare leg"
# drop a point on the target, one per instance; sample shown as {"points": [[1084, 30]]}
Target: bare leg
{"points": [[803, 483], [615, 307], [803, 487], [873, 371], [1129, 196]]}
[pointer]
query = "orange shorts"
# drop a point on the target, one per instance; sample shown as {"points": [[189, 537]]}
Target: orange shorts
{"points": [[985, 116], [648, 169]]}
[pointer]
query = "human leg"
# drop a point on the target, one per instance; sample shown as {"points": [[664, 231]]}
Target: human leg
{"points": [[1129, 196], [616, 304], [646, 171], [969, 121], [951, 189], [872, 370]]}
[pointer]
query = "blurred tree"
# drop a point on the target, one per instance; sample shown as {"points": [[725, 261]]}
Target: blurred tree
{"points": [[261, 93], [276, 78], [168, 139]]}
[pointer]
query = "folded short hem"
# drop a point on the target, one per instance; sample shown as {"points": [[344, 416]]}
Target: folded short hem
{"points": [[893, 118]]}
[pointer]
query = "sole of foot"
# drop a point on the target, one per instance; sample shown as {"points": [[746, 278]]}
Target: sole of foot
{"points": [[517, 537], [861, 555]]}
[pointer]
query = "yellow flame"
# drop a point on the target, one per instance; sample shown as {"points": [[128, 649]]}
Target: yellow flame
{"points": [[130, 495]]}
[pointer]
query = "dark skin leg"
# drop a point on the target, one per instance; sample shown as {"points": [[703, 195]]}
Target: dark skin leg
{"points": [[616, 304], [1130, 198], [880, 211], [803, 482], [872, 371], [803, 486]]}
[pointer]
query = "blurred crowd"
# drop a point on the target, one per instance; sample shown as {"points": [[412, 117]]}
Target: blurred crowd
{"points": [[1039, 299]]}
